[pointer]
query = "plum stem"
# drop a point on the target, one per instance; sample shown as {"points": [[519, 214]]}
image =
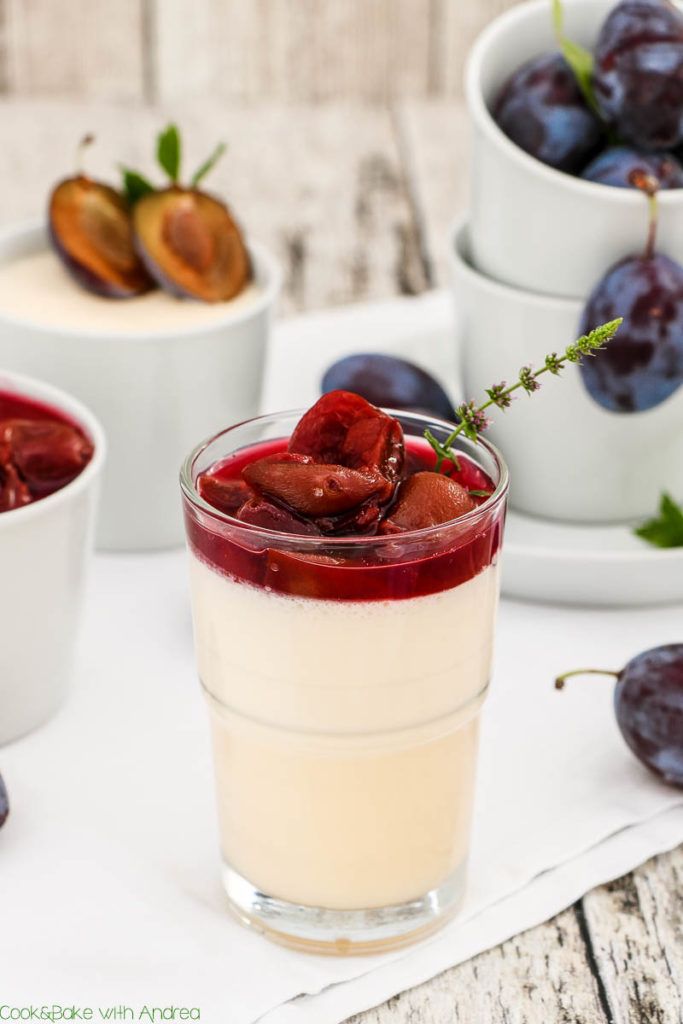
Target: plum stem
{"points": [[86, 141], [650, 186], [561, 680]]}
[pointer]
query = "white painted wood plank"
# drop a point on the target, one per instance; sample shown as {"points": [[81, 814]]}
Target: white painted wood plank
{"points": [[539, 977], [636, 929], [294, 50], [85, 48], [437, 137]]}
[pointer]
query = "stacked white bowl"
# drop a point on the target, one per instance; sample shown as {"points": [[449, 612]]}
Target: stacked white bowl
{"points": [[536, 243]]}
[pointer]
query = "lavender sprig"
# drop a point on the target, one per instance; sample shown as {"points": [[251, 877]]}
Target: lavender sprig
{"points": [[473, 418]]}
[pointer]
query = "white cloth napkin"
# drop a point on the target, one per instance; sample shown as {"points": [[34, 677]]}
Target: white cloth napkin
{"points": [[109, 883]]}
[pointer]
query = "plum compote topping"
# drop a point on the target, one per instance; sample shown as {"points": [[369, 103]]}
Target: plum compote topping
{"points": [[39, 453], [345, 472]]}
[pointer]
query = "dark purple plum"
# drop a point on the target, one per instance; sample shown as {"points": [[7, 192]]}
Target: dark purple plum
{"points": [[638, 76], [389, 382], [643, 365], [541, 109], [4, 803], [648, 703], [618, 165]]}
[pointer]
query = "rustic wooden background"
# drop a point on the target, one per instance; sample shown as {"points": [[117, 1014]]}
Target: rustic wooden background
{"points": [[239, 50]]}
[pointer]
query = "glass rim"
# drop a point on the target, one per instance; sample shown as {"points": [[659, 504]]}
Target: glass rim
{"points": [[474, 516]]}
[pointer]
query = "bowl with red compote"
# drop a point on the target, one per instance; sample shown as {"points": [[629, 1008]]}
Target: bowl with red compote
{"points": [[344, 597], [51, 456]]}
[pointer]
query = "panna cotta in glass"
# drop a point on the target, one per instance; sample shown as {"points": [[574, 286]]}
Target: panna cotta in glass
{"points": [[344, 597]]}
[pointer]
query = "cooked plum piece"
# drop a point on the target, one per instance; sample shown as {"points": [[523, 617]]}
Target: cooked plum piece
{"points": [[261, 512], [47, 454], [390, 382], [427, 499], [191, 245], [343, 429], [91, 231], [315, 489], [13, 491], [226, 495]]}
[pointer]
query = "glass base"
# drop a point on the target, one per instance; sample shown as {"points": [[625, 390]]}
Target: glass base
{"points": [[343, 932]]}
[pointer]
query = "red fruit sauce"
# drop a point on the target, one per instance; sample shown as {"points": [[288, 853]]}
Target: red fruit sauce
{"points": [[41, 450], [398, 566]]}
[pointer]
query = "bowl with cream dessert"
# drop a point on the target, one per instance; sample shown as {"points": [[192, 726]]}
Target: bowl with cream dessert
{"points": [[344, 598], [52, 453], [148, 305]]}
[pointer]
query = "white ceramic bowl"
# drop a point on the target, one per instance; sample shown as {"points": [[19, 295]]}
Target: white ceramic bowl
{"points": [[569, 458], [44, 550], [532, 226], [155, 392]]}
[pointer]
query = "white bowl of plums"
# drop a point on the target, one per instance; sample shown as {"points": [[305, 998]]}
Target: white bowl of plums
{"points": [[572, 104], [577, 219], [51, 458], [144, 301]]}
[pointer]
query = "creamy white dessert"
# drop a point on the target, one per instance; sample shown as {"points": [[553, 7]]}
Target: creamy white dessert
{"points": [[345, 735], [37, 289]]}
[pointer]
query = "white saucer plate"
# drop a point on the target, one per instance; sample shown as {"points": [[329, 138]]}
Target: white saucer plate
{"points": [[588, 565]]}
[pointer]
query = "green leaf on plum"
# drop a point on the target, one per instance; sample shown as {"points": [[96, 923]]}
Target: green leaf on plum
{"points": [[135, 185], [168, 151], [208, 164], [666, 529]]}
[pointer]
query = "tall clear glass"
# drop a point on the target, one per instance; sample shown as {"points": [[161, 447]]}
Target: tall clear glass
{"points": [[345, 679]]}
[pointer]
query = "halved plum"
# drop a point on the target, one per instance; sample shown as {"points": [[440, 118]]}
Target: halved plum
{"points": [[427, 499], [315, 489], [191, 245], [343, 429], [47, 454], [91, 231]]}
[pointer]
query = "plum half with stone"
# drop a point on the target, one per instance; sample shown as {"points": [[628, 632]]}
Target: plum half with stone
{"points": [[187, 239], [648, 703], [91, 232], [644, 365]]}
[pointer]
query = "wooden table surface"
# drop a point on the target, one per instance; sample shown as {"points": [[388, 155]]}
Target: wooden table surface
{"points": [[357, 202]]}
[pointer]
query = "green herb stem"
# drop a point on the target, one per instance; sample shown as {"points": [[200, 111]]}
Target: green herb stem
{"points": [[473, 418]]}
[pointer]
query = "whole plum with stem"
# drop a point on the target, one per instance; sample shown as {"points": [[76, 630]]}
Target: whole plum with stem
{"points": [[648, 703], [620, 165], [638, 74], [542, 109], [644, 365]]}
